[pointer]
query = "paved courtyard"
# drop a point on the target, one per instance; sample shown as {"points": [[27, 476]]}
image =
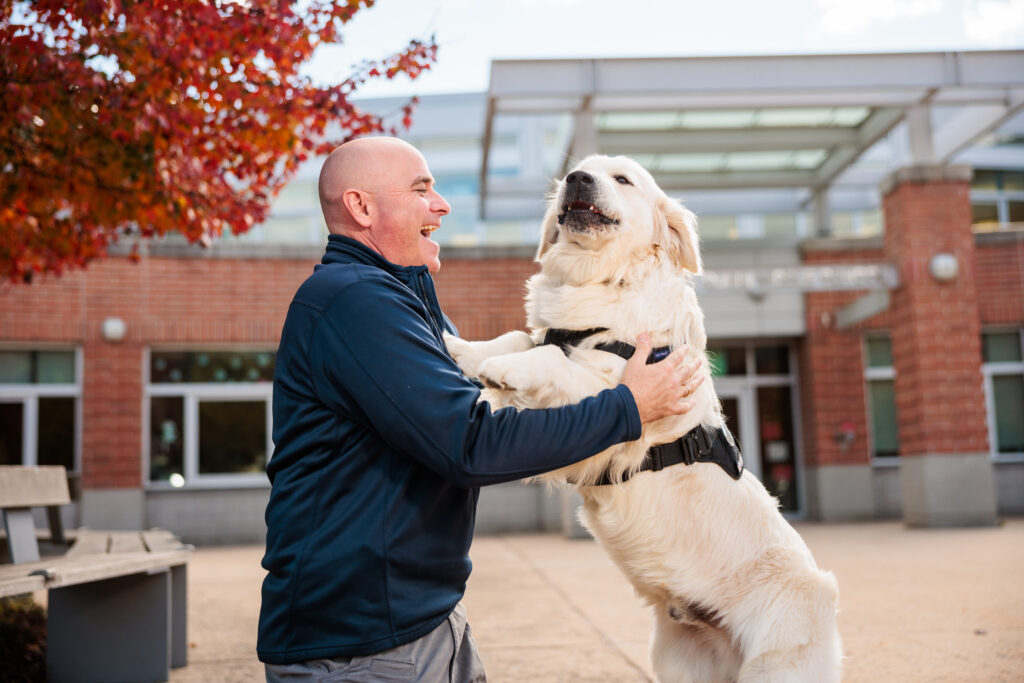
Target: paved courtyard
{"points": [[916, 605]]}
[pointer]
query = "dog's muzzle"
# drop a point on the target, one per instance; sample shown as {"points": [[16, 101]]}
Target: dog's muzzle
{"points": [[580, 205]]}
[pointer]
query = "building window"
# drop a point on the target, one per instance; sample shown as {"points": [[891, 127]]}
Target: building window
{"points": [[997, 199], [728, 361], [880, 377], [1003, 370], [40, 393], [209, 418]]}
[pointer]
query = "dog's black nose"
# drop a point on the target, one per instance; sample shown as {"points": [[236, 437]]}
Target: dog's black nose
{"points": [[579, 176]]}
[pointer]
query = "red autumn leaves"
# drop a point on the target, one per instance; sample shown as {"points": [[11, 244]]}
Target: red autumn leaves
{"points": [[127, 118]]}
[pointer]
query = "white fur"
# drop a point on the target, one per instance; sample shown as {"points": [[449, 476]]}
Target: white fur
{"points": [[693, 542]]}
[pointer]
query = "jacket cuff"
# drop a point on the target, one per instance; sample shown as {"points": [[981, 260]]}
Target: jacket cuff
{"points": [[633, 425]]}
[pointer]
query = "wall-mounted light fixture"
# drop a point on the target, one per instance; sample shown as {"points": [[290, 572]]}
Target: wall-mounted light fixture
{"points": [[944, 267], [113, 329]]}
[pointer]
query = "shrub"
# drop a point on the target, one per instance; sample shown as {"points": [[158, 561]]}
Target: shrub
{"points": [[22, 640]]}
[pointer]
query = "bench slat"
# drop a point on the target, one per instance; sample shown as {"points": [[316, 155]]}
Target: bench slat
{"points": [[55, 572], [17, 578], [89, 542], [161, 539], [22, 487], [98, 567], [126, 542]]}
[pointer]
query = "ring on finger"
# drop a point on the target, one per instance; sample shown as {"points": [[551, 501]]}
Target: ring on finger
{"points": [[686, 387]]}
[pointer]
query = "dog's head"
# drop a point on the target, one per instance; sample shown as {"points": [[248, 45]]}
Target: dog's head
{"points": [[613, 203]]}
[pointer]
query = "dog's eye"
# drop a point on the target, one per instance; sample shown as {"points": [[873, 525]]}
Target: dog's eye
{"points": [[622, 180]]}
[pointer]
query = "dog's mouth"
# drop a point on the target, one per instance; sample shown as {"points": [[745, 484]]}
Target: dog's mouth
{"points": [[579, 215]]}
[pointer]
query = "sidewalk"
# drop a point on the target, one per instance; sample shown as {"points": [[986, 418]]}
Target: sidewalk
{"points": [[916, 605]]}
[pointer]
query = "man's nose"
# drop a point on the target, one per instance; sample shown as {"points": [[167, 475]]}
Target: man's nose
{"points": [[441, 205]]}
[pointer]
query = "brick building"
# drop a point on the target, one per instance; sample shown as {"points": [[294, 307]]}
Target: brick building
{"points": [[864, 300]]}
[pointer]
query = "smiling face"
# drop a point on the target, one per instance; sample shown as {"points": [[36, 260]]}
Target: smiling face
{"points": [[595, 196], [613, 204], [407, 210], [380, 192]]}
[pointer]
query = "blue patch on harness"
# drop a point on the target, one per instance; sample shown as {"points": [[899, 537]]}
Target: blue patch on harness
{"points": [[660, 354]]}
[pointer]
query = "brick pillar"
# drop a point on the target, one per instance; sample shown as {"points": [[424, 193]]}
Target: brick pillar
{"points": [[837, 457], [947, 477], [112, 493], [841, 482]]}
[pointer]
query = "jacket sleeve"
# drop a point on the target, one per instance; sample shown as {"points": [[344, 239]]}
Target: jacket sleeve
{"points": [[375, 358]]}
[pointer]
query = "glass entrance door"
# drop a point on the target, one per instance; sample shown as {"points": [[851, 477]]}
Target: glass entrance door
{"points": [[761, 420], [778, 444], [739, 412], [756, 385]]}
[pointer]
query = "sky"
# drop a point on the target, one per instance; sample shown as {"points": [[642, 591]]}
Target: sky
{"points": [[471, 33]]}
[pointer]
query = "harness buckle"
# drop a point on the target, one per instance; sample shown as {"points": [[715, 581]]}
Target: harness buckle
{"points": [[690, 450], [656, 458], [705, 442]]}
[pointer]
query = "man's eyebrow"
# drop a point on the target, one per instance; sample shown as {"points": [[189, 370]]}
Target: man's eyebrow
{"points": [[423, 180]]}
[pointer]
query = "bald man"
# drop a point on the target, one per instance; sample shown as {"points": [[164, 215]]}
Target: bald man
{"points": [[381, 445]]}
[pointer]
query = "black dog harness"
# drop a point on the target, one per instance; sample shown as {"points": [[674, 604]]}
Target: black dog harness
{"points": [[566, 339], [697, 445]]}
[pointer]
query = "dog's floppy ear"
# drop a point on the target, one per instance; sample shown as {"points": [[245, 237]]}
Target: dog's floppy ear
{"points": [[679, 234], [548, 228]]}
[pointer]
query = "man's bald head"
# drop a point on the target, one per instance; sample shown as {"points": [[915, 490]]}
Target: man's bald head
{"points": [[363, 165], [379, 191]]}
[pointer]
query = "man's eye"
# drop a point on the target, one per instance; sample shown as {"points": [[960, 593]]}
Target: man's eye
{"points": [[622, 180]]}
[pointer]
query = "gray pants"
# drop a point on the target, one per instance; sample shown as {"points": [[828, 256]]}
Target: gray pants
{"points": [[448, 653]]}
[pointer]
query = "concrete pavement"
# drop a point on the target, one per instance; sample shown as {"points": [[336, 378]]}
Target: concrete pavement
{"points": [[916, 605]]}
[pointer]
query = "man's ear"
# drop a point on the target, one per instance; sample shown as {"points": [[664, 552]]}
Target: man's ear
{"points": [[679, 234], [548, 228], [360, 206]]}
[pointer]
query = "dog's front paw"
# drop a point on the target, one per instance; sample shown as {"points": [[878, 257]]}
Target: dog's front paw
{"points": [[463, 353], [506, 373], [469, 356]]}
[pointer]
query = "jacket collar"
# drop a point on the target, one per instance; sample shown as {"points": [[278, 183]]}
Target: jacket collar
{"points": [[341, 249]]}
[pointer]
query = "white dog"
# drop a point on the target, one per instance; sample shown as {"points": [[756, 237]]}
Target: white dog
{"points": [[735, 592]]}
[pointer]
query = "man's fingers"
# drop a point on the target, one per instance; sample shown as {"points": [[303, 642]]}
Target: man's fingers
{"points": [[643, 349], [684, 371]]}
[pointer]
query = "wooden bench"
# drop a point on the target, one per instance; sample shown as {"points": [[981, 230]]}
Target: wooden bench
{"points": [[116, 607]]}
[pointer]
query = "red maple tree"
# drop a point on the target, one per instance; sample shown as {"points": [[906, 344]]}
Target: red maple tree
{"points": [[143, 118]]}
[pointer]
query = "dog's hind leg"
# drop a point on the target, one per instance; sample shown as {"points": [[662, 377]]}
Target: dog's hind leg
{"points": [[687, 652], [801, 643]]}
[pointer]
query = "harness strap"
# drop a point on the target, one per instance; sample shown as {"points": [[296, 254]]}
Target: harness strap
{"points": [[566, 339], [697, 445]]}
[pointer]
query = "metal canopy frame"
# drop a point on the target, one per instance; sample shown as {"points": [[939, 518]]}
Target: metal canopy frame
{"points": [[983, 90]]}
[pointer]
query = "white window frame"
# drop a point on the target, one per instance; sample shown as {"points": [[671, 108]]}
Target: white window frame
{"points": [[193, 394], [29, 394], [879, 374], [1001, 199], [988, 371]]}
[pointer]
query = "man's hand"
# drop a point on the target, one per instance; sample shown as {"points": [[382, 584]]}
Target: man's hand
{"points": [[663, 388]]}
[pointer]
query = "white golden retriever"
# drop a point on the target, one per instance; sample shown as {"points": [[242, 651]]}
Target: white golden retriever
{"points": [[735, 592]]}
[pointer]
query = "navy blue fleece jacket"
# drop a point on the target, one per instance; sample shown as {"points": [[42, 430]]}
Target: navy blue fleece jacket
{"points": [[380, 445]]}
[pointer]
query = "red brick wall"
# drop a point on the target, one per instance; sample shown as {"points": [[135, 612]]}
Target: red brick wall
{"points": [[832, 386], [163, 301], [935, 326], [484, 298], [1000, 278], [111, 415]]}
